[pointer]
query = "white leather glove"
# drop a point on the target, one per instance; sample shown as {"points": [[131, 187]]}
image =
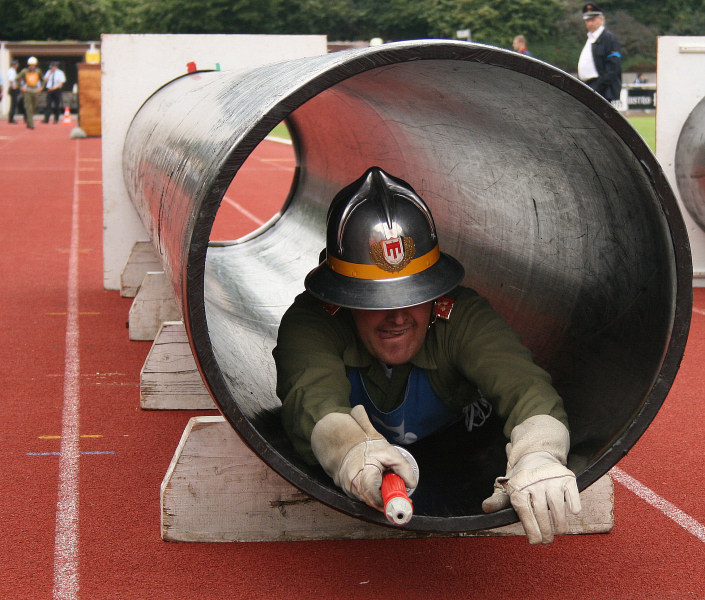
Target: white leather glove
{"points": [[537, 484], [355, 455]]}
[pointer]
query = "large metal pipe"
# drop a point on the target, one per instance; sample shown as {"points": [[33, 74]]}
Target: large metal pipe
{"points": [[554, 204], [690, 164]]}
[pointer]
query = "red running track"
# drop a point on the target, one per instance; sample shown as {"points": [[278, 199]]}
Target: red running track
{"points": [[110, 547], [257, 193]]}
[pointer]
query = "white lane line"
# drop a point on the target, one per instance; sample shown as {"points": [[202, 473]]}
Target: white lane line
{"points": [[672, 512], [59, 453], [244, 211], [700, 311], [66, 535], [288, 163]]}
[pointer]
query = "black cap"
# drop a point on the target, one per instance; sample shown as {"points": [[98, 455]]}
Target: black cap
{"points": [[591, 10], [54, 63]]}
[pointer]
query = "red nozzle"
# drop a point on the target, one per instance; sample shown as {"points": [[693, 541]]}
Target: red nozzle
{"points": [[397, 507]]}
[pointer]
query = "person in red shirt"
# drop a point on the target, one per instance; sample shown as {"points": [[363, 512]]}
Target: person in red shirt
{"points": [[519, 45]]}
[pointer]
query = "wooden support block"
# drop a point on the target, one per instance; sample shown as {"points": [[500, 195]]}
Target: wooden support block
{"points": [[153, 304], [217, 490], [141, 260], [170, 379], [89, 103]]}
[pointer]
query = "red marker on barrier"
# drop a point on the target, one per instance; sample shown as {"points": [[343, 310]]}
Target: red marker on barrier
{"points": [[397, 506]]}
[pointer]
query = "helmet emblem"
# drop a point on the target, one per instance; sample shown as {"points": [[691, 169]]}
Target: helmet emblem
{"points": [[393, 254], [393, 250]]}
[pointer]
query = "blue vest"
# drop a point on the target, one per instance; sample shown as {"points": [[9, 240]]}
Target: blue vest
{"points": [[420, 414]]}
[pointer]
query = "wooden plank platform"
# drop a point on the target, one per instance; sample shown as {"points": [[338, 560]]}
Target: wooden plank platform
{"points": [[142, 259], [153, 304], [170, 379], [217, 490]]}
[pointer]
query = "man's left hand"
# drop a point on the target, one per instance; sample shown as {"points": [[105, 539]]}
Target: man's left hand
{"points": [[537, 484]]}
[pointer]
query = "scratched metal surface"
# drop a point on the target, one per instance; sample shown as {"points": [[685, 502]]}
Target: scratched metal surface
{"points": [[559, 212], [690, 163]]}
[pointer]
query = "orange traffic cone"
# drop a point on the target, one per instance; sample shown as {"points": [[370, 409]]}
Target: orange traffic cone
{"points": [[67, 116]]}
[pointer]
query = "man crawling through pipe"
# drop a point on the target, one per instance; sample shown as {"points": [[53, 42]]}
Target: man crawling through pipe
{"points": [[385, 348]]}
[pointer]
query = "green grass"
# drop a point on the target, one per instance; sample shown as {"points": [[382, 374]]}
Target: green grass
{"points": [[280, 131], [646, 126]]}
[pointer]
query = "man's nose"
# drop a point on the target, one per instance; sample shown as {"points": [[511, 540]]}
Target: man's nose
{"points": [[397, 315]]}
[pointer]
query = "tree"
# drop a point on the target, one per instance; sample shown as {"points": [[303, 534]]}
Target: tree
{"points": [[495, 22], [58, 19], [668, 17], [214, 16], [554, 28], [394, 19], [338, 19]]}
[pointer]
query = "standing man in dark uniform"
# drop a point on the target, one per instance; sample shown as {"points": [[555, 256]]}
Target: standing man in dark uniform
{"points": [[600, 63], [53, 82]]}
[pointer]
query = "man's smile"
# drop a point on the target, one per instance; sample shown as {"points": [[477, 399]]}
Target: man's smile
{"points": [[393, 336], [392, 333]]}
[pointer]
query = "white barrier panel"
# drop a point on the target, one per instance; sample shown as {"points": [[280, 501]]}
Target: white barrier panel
{"points": [[681, 63], [133, 68]]}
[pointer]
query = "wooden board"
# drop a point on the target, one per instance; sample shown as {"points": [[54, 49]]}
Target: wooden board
{"points": [[89, 99], [170, 379], [217, 490], [153, 304], [142, 259]]}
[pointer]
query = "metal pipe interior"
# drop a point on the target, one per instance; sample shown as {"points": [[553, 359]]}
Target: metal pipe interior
{"points": [[556, 207]]}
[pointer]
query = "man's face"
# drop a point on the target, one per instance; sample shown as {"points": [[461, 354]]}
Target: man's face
{"points": [[594, 23], [393, 336]]}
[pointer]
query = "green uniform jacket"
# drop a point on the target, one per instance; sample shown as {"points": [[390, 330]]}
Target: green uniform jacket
{"points": [[25, 77], [473, 349]]}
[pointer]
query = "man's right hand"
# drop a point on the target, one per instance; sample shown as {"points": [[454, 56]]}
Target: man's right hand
{"points": [[355, 455]]}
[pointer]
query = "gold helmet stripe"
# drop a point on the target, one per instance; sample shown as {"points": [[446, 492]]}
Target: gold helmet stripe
{"points": [[360, 271]]}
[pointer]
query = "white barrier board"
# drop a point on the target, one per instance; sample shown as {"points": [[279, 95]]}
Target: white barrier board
{"points": [[681, 86], [135, 66]]}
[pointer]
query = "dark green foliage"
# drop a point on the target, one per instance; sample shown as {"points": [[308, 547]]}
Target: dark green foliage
{"points": [[554, 28]]}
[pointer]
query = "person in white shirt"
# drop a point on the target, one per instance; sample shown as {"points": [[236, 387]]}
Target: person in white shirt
{"points": [[14, 91], [53, 82], [600, 63]]}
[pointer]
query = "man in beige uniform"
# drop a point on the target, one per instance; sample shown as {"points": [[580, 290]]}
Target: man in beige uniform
{"points": [[386, 348], [30, 81]]}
